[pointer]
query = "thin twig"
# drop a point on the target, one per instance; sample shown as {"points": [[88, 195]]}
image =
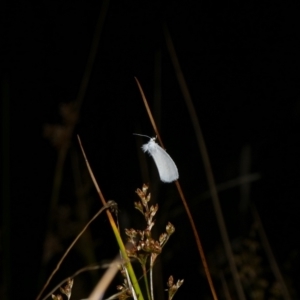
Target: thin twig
{"points": [[220, 187], [85, 269], [232, 183], [270, 255], [115, 229], [149, 112], [245, 188], [146, 281], [101, 287], [70, 247], [151, 279], [197, 238], [225, 286], [206, 161], [91, 173]]}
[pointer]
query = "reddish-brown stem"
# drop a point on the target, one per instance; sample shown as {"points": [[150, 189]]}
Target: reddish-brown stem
{"points": [[198, 242]]}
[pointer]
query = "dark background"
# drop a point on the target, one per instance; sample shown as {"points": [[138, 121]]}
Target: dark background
{"points": [[240, 62]]}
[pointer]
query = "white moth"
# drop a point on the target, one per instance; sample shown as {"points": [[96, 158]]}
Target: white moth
{"points": [[166, 167]]}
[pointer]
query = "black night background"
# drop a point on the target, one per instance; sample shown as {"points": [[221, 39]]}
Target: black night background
{"points": [[240, 61]]}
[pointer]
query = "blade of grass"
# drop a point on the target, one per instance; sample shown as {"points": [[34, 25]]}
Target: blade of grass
{"points": [[88, 268], [115, 229], [5, 207], [245, 203], [206, 161], [270, 255], [104, 282], [71, 246], [190, 217]]}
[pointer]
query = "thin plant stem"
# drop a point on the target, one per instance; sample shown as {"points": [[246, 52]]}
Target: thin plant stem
{"points": [[6, 206], [190, 217], [225, 286], [129, 282], [127, 263], [146, 280], [207, 166], [270, 255], [71, 246], [85, 269], [101, 287], [245, 188], [151, 277]]}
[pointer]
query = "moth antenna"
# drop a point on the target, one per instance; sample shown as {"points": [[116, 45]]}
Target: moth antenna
{"points": [[142, 135]]}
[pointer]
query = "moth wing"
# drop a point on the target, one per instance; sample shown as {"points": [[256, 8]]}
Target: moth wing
{"points": [[166, 167]]}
